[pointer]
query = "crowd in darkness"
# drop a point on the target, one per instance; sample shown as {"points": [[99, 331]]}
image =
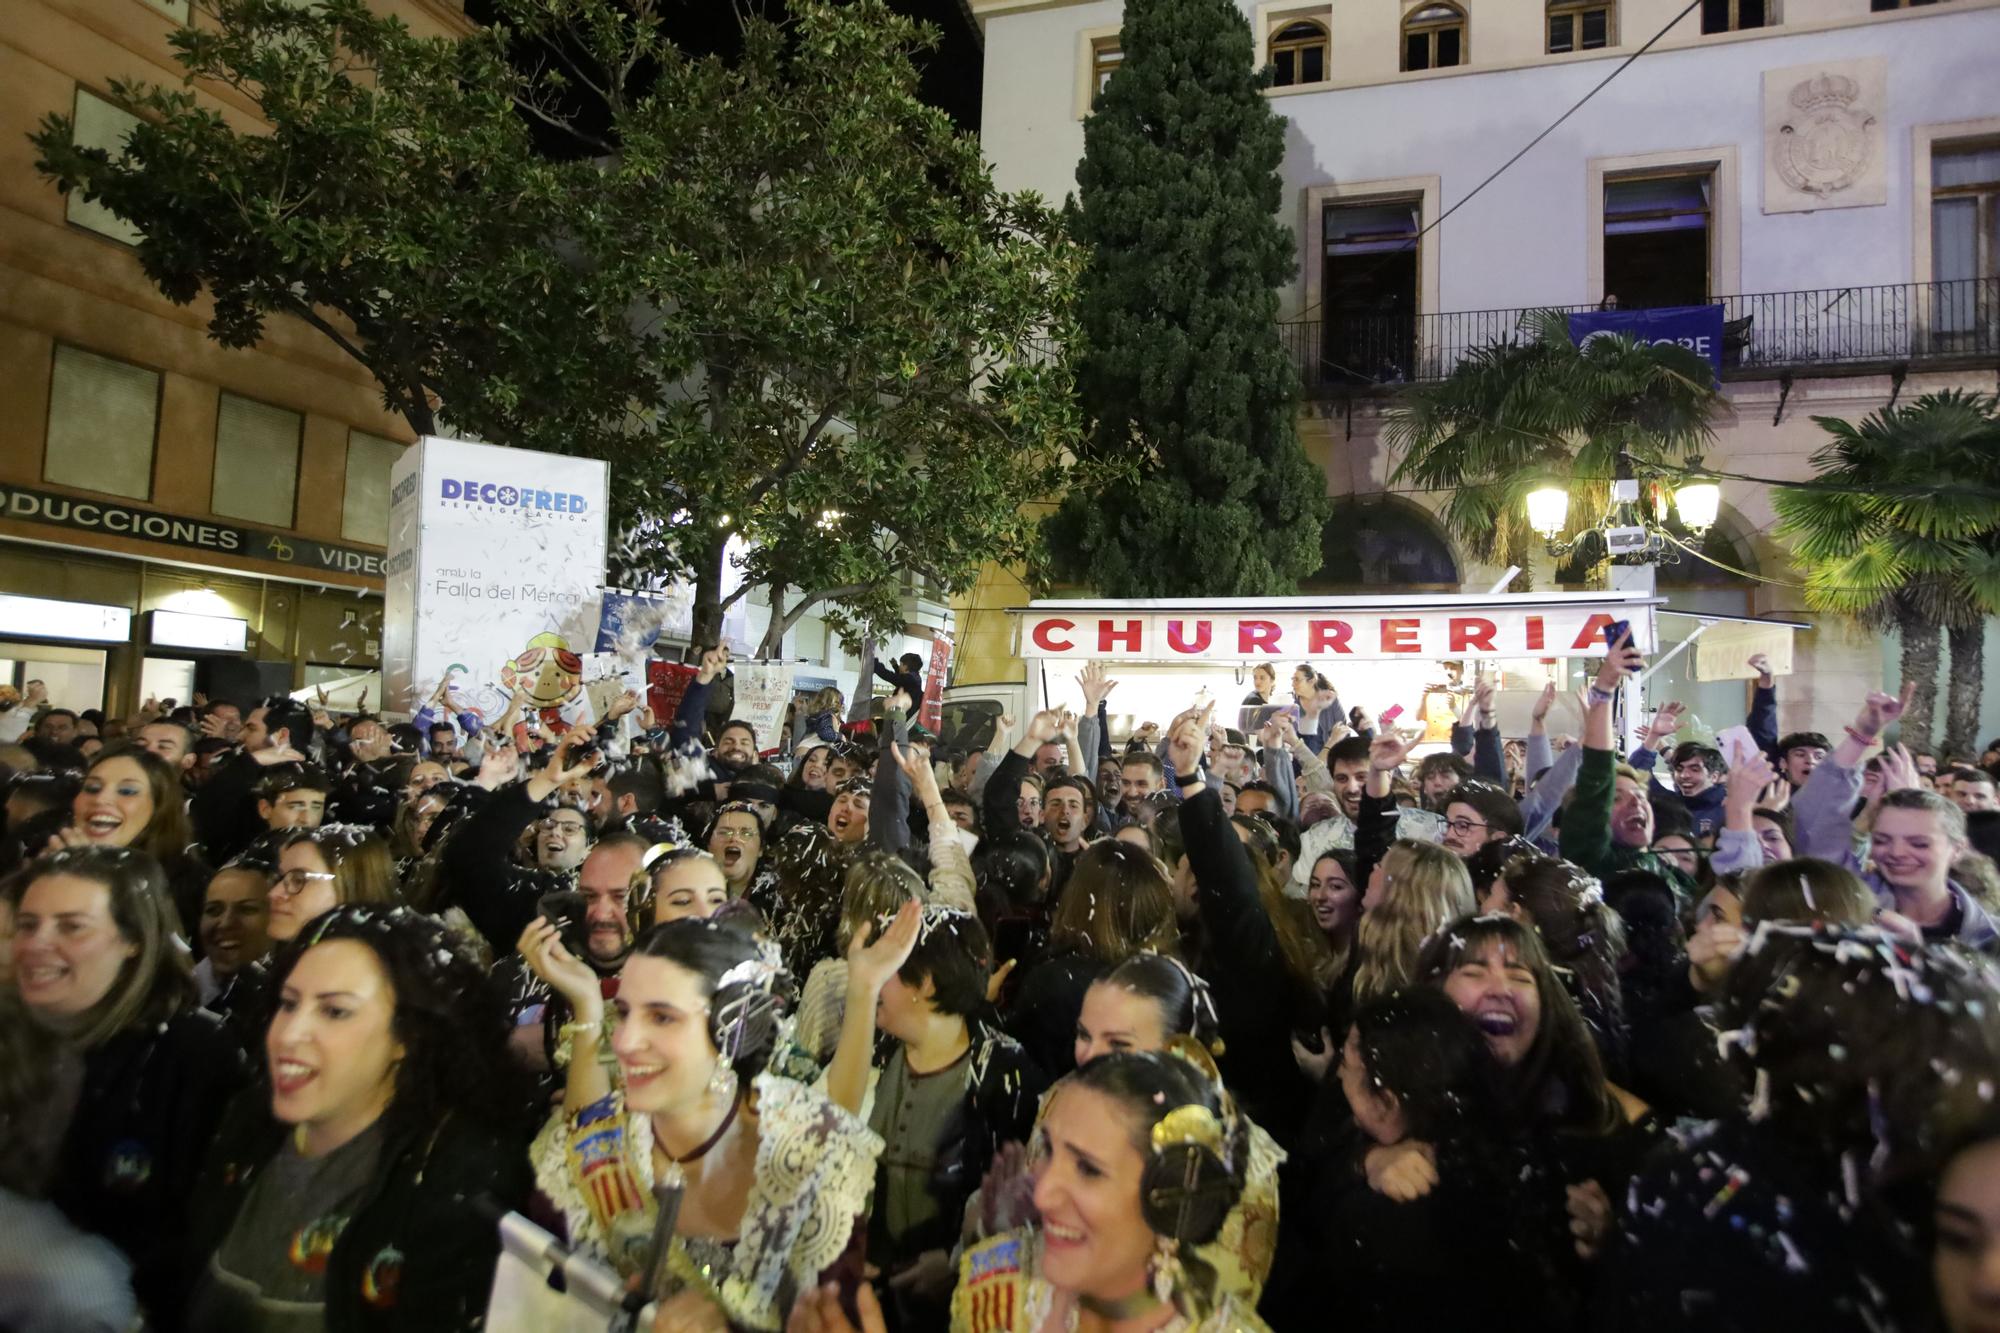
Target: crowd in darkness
{"points": [[1191, 1029]]}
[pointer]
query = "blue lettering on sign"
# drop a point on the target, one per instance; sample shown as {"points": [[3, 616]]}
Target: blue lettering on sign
{"points": [[494, 495], [1697, 328]]}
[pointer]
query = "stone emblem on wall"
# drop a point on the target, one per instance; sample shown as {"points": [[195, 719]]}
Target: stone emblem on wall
{"points": [[1823, 136]]}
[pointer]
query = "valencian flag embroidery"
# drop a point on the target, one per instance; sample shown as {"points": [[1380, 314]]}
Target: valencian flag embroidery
{"points": [[993, 1286]]}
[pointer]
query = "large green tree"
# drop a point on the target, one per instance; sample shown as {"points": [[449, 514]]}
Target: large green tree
{"points": [[1520, 413], [778, 292], [1183, 374], [1901, 528]]}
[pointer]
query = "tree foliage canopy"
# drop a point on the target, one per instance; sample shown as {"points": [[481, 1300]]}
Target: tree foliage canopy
{"points": [[1515, 415], [1187, 383], [779, 294]]}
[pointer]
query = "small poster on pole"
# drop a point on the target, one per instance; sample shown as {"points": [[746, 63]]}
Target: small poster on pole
{"points": [[936, 671], [763, 693]]}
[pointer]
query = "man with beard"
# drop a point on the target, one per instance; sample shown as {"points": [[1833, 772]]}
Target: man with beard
{"points": [[1347, 765], [605, 880], [225, 813], [1608, 825], [475, 868]]}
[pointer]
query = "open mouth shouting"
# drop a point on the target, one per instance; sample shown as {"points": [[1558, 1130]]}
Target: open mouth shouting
{"points": [[289, 1077], [102, 825]]}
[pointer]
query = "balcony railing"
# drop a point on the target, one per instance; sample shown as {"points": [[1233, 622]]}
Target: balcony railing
{"points": [[1900, 324]]}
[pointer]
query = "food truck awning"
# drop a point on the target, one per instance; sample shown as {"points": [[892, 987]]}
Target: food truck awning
{"points": [[1373, 628]]}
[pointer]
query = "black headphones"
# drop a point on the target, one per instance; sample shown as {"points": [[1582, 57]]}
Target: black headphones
{"points": [[1189, 1183]]}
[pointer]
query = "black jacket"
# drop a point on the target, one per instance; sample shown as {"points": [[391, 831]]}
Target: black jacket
{"points": [[479, 872], [224, 808], [1738, 1229], [149, 1107], [1256, 1000], [417, 1255], [1048, 1003]]}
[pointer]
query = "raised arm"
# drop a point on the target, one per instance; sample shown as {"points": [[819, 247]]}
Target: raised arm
{"points": [[889, 801], [873, 957], [1586, 826], [951, 880], [1489, 756], [1763, 717], [1736, 844]]}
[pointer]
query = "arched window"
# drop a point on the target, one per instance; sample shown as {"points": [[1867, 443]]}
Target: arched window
{"points": [[1581, 25], [1374, 542], [1434, 37], [1298, 53]]}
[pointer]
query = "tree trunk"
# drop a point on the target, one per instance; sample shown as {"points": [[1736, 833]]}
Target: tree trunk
{"points": [[1968, 670], [1920, 658], [773, 646], [707, 615]]}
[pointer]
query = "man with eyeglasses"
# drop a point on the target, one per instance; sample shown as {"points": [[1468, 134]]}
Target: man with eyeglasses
{"points": [[1478, 813], [476, 863]]}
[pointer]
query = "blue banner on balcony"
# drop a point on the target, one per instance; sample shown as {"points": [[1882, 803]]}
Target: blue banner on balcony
{"points": [[1695, 327]]}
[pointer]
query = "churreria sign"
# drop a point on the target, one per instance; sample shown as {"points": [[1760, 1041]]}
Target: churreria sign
{"points": [[67, 511]]}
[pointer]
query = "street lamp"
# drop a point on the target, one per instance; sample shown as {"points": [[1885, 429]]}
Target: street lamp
{"points": [[1548, 511], [1697, 503]]}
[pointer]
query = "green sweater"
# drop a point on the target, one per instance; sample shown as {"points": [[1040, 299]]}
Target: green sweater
{"points": [[1586, 829]]}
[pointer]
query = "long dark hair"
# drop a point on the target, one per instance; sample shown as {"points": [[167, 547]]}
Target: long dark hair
{"points": [[1585, 939], [1419, 1046], [725, 955], [451, 1017], [1011, 868], [1561, 1077]]}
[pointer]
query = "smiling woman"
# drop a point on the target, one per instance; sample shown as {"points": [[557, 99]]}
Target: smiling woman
{"points": [[1140, 1160], [132, 798], [111, 1085], [334, 1192]]}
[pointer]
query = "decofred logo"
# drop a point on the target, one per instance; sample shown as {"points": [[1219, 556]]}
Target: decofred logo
{"points": [[492, 498]]}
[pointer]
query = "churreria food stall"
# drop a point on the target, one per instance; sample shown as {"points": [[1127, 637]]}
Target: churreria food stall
{"points": [[1420, 651]]}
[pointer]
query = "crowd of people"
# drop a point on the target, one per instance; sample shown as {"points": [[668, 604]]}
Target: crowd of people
{"points": [[847, 1030]]}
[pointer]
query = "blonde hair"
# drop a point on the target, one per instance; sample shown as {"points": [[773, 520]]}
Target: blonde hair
{"points": [[363, 869], [1426, 887], [878, 883], [1118, 902]]}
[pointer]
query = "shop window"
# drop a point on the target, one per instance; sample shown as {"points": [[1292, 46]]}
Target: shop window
{"points": [[1105, 57], [364, 508], [1965, 240], [1577, 25], [256, 461], [1299, 52], [1656, 239], [97, 123], [1434, 37], [104, 416], [1737, 15]]}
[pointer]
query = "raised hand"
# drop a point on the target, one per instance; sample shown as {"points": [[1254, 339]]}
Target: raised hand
{"points": [[1761, 664], [1044, 727], [1777, 796], [1387, 752], [1482, 701], [1097, 685], [1620, 662], [879, 953], [542, 950], [623, 704], [1189, 741], [1664, 724], [1899, 769], [1746, 782], [713, 663], [498, 766], [1880, 709], [1544, 703], [916, 765]]}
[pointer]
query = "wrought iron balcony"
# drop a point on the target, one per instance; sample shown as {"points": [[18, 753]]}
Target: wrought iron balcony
{"points": [[1835, 330]]}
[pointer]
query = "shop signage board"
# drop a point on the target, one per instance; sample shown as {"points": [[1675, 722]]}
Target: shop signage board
{"points": [[1698, 328], [495, 576], [28, 504], [1333, 629]]}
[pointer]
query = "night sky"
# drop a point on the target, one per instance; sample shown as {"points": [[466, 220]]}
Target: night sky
{"points": [[951, 72]]}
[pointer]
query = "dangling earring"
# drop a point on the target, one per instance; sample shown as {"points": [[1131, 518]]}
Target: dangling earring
{"points": [[1166, 1269], [723, 1081]]}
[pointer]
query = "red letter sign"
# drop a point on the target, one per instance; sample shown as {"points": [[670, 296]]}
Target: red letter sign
{"points": [[1472, 633], [1107, 632], [1044, 636], [1592, 631], [1535, 632], [1400, 636], [1328, 636], [1177, 640], [1257, 636]]}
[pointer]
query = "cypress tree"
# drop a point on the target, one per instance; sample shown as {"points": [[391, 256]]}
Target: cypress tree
{"points": [[1183, 375]]}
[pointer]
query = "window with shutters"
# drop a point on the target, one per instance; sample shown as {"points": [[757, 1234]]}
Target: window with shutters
{"points": [[104, 419], [256, 461]]}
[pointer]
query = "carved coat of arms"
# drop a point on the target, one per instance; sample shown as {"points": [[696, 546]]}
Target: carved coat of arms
{"points": [[1824, 144]]}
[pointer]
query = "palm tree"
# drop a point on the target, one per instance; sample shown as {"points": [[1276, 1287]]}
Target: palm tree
{"points": [[1514, 415], [1901, 527]]}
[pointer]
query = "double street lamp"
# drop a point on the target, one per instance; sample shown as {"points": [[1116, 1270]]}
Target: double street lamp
{"points": [[1625, 530]]}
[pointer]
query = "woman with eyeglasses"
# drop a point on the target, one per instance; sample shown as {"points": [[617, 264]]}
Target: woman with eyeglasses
{"points": [[323, 868], [112, 1083]]}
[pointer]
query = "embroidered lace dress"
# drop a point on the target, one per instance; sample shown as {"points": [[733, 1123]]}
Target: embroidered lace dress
{"points": [[815, 1171], [1001, 1290]]}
